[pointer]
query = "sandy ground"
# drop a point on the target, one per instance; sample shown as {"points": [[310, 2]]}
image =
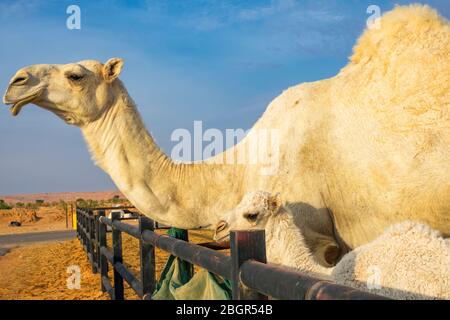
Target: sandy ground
{"points": [[40, 271], [39, 220]]}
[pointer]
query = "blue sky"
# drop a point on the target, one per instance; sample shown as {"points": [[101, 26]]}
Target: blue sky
{"points": [[221, 62]]}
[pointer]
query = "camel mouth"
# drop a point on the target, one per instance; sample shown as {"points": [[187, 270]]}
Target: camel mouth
{"points": [[222, 239], [18, 105]]}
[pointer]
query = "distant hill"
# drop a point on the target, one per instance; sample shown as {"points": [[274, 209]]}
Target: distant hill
{"points": [[56, 196]]}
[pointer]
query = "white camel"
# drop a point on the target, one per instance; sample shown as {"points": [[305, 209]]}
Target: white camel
{"points": [[358, 152], [408, 261], [285, 244]]}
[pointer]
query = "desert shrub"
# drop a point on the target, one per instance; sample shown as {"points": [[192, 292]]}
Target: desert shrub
{"points": [[117, 199], [93, 203], [4, 205], [25, 215], [31, 206], [87, 203], [62, 204], [80, 202], [20, 205]]}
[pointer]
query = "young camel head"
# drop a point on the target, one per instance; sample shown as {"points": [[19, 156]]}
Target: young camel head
{"points": [[253, 212], [78, 93]]}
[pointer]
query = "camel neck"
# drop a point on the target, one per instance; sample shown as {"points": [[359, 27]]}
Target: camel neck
{"points": [[177, 194], [121, 145], [121, 133]]}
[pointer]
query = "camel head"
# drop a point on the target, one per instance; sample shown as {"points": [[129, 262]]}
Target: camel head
{"points": [[253, 212], [78, 93]]}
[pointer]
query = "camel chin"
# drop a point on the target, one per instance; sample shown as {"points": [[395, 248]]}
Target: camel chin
{"points": [[17, 107]]}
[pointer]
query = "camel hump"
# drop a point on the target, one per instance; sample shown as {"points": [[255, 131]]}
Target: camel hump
{"points": [[404, 26]]}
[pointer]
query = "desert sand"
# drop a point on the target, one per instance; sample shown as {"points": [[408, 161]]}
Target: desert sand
{"points": [[39, 271], [33, 220]]}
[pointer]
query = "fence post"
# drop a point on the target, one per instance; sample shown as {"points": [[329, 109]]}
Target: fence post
{"points": [[103, 262], [85, 230], [74, 216], [246, 245], [117, 257], [66, 210], [94, 243], [147, 255], [82, 226], [78, 224], [86, 224], [89, 234], [83, 218]]}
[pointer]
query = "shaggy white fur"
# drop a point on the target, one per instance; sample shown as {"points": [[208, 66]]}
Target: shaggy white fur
{"points": [[409, 261]]}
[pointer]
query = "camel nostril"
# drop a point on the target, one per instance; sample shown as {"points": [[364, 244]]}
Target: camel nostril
{"points": [[20, 80], [221, 226]]}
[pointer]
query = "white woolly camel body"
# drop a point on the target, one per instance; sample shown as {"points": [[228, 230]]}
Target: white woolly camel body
{"points": [[365, 149], [408, 261]]}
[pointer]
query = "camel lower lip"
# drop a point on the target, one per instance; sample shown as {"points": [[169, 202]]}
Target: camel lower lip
{"points": [[17, 107], [222, 239]]}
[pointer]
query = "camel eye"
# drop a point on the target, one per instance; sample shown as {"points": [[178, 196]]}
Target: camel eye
{"points": [[251, 216], [75, 77]]}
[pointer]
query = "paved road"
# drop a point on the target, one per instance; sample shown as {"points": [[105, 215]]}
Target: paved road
{"points": [[32, 237]]}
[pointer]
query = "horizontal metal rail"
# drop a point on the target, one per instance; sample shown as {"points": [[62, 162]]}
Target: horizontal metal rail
{"points": [[288, 284], [215, 262], [215, 245], [129, 277], [107, 253], [211, 260], [106, 221], [108, 287], [127, 228]]}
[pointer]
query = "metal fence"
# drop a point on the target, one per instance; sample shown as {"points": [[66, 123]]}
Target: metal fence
{"points": [[251, 277]]}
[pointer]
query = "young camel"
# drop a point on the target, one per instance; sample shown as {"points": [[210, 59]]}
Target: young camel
{"points": [[285, 243], [408, 261]]}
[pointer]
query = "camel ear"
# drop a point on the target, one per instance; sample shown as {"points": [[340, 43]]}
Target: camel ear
{"points": [[275, 202], [112, 69]]}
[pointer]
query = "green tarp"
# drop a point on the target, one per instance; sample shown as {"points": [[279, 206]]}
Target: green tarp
{"points": [[178, 282]]}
